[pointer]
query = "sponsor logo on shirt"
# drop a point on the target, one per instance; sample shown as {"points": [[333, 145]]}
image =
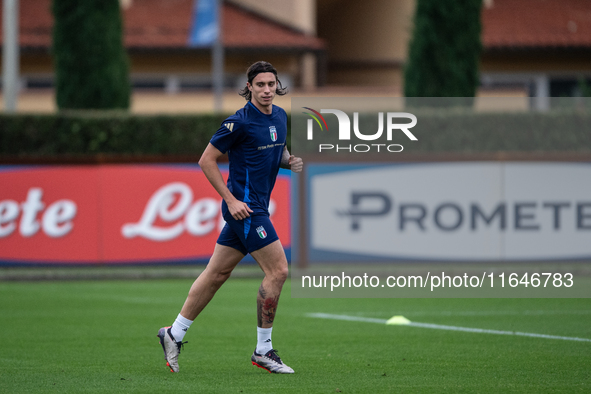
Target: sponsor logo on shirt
{"points": [[273, 132], [229, 126]]}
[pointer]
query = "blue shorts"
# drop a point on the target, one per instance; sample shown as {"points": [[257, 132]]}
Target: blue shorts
{"points": [[248, 235]]}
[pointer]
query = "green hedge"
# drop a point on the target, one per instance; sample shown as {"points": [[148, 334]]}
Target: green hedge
{"points": [[111, 132], [438, 131], [512, 132]]}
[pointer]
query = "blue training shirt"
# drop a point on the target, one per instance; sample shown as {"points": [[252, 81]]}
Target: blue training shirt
{"points": [[254, 142]]}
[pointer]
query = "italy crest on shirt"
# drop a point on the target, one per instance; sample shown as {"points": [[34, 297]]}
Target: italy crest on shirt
{"points": [[273, 132], [261, 230]]}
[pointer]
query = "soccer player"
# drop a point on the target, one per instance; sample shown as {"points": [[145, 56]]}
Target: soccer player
{"points": [[254, 138]]}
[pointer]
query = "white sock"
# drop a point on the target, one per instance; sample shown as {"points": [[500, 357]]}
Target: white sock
{"points": [[264, 340], [180, 327]]}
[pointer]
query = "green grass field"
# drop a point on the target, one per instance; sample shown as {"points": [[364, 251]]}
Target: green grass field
{"points": [[100, 336]]}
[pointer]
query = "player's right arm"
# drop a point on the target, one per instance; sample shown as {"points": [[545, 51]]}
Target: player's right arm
{"points": [[208, 163]]}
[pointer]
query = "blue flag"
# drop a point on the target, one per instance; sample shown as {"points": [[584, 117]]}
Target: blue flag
{"points": [[205, 29]]}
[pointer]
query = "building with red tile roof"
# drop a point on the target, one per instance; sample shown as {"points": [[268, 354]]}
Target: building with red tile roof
{"points": [[540, 46], [156, 35], [527, 24]]}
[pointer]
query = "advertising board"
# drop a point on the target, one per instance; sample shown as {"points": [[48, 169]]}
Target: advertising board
{"points": [[462, 211], [115, 214]]}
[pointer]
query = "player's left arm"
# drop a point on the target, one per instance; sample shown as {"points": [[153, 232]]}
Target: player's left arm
{"points": [[290, 162]]}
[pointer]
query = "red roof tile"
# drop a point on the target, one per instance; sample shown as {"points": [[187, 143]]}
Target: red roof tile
{"points": [[157, 23], [536, 23], [246, 29], [35, 23], [166, 24]]}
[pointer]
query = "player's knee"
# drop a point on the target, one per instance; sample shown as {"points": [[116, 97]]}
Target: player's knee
{"points": [[219, 278], [280, 275]]}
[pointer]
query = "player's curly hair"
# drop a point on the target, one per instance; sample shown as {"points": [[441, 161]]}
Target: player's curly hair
{"points": [[254, 70]]}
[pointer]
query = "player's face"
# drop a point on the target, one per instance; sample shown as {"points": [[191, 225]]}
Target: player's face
{"points": [[263, 89]]}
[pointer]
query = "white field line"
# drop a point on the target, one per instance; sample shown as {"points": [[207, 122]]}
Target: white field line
{"points": [[497, 313], [348, 318], [488, 313], [443, 327]]}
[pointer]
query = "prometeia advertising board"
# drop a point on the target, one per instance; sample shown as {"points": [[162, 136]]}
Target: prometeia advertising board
{"points": [[458, 211]]}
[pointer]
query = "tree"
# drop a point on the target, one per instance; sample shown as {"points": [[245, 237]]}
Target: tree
{"points": [[445, 49], [91, 65]]}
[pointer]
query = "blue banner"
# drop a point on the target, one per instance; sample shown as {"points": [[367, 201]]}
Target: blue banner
{"points": [[205, 28]]}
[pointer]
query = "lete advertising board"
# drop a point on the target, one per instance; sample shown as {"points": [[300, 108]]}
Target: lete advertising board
{"points": [[465, 211], [115, 214]]}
